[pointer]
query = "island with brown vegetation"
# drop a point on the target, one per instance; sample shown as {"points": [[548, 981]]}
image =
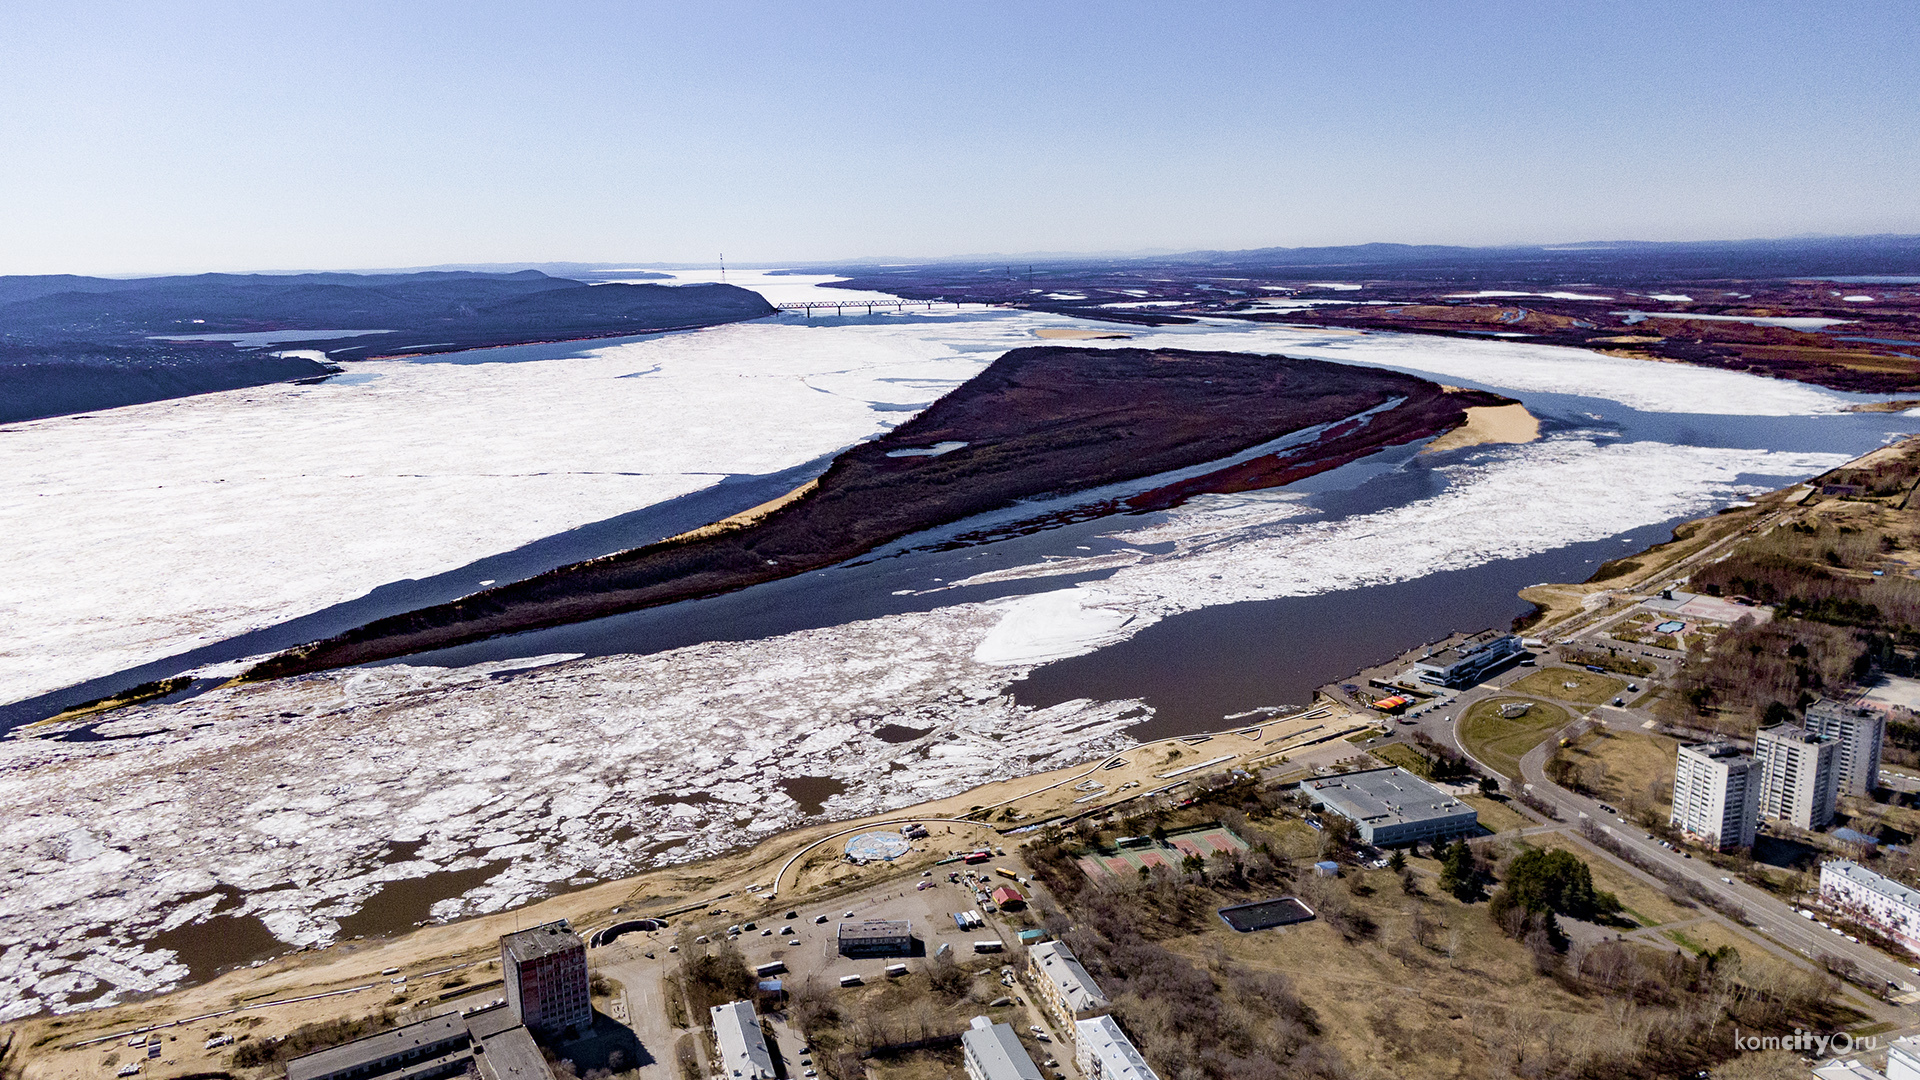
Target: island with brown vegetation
{"points": [[1040, 421]]}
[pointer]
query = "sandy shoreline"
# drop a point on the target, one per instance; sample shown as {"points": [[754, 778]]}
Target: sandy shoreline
{"points": [[1489, 424]]}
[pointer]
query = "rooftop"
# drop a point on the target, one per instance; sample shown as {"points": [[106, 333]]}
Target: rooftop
{"points": [[1789, 733], [449, 1028], [1385, 796], [1119, 1058], [1867, 879], [544, 940], [743, 1047], [1063, 969], [998, 1051], [1716, 750], [1472, 646], [512, 1055], [875, 928]]}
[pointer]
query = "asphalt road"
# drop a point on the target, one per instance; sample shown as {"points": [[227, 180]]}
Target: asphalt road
{"points": [[1767, 913]]}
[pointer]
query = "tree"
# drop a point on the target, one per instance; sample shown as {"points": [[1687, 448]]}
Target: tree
{"points": [[1397, 861], [1489, 786], [1457, 873]]}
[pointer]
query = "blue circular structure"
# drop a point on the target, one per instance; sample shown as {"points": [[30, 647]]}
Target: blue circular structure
{"points": [[868, 847]]}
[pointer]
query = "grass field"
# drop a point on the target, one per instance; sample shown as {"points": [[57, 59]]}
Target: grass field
{"points": [[1497, 815], [1402, 755], [1570, 684], [1500, 742], [1621, 767]]}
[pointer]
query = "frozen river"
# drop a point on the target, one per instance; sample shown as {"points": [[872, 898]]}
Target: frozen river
{"points": [[224, 526]]}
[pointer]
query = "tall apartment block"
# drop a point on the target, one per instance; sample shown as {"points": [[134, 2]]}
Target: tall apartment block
{"points": [[545, 969], [1797, 776], [1857, 734], [1716, 796]]}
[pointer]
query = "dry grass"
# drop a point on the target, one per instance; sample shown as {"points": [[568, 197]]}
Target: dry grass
{"points": [[1577, 685], [1496, 814], [1622, 767]]}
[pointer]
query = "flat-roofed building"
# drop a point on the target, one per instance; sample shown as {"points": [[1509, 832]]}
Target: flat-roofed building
{"points": [[1903, 1059], [1065, 988], [1872, 899], [993, 1052], [1797, 783], [491, 1041], [1467, 662], [1392, 806], [1857, 734], [741, 1043], [876, 937], [1716, 795], [1104, 1052], [545, 970]]}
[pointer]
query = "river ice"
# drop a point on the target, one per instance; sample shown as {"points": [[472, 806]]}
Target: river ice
{"points": [[146, 530]]}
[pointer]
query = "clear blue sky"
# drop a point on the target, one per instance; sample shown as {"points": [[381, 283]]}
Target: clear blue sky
{"points": [[165, 136]]}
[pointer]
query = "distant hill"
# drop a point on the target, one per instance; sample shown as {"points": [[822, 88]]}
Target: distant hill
{"points": [[1622, 260], [71, 344]]}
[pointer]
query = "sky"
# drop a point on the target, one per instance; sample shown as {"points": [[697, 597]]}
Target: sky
{"points": [[178, 136]]}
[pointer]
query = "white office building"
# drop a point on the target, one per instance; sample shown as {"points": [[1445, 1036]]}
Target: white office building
{"points": [[1104, 1052], [1872, 900], [1857, 734], [1903, 1059], [1715, 795], [1797, 782]]}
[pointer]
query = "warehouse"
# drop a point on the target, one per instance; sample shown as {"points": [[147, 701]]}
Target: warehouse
{"points": [[1392, 806]]}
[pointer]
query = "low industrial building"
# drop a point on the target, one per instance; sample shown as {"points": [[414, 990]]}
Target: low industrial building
{"points": [[491, 1042], [740, 1042], [1716, 795], [1467, 662], [1065, 988], [545, 970], [1103, 1052], [993, 1052], [1872, 900], [876, 937], [1392, 806]]}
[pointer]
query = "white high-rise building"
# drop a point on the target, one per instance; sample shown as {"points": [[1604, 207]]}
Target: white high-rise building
{"points": [[1857, 734], [1716, 795], [1797, 781]]}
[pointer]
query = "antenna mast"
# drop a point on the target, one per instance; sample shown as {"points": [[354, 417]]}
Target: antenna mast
{"points": [[723, 268]]}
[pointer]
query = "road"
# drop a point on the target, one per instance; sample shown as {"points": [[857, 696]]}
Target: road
{"points": [[1767, 913]]}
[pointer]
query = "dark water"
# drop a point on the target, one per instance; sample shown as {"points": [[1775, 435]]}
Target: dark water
{"points": [[811, 792], [1199, 667], [398, 905]]}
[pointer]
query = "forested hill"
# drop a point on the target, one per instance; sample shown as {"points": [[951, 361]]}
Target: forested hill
{"points": [[74, 344]]}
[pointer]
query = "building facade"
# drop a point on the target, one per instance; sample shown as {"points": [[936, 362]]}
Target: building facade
{"points": [[993, 1052], [741, 1044], [545, 970], [1869, 898], [1104, 1052], [1716, 795], [1064, 987], [1392, 806], [491, 1043], [1857, 734], [1469, 661], [1797, 783]]}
